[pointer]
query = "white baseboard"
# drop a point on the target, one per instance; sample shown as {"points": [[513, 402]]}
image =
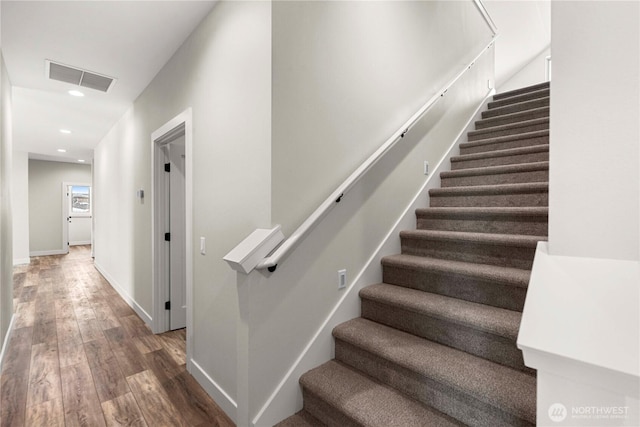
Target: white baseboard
{"points": [[129, 300], [287, 394], [7, 338], [21, 261], [80, 242], [47, 253], [224, 401]]}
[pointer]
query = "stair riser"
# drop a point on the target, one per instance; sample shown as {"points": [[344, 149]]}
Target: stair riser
{"points": [[457, 286], [515, 118], [505, 145], [503, 178], [488, 200], [503, 256], [515, 108], [511, 130], [463, 407], [520, 98], [517, 92], [501, 161], [324, 412], [492, 347], [535, 226]]}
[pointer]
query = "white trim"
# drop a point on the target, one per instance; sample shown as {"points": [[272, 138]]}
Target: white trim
{"points": [[80, 242], [278, 404], [47, 253], [7, 338], [21, 261], [217, 393], [125, 296], [161, 319]]}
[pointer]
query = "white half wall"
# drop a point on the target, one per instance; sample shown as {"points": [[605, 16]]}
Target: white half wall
{"points": [[20, 206]]}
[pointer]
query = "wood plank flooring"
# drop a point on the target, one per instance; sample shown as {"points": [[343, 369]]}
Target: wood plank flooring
{"points": [[80, 356]]}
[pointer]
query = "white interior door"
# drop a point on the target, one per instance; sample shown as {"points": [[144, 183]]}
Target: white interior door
{"points": [[177, 225]]}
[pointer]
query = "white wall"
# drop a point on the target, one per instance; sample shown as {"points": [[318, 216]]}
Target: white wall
{"points": [[45, 202], [581, 321], [346, 75], [6, 239], [523, 43], [20, 205], [223, 72], [595, 105]]}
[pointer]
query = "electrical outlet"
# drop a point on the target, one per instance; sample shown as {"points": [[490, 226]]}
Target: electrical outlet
{"points": [[342, 279], [426, 167]]}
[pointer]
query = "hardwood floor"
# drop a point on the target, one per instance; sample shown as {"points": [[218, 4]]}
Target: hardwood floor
{"points": [[80, 356]]}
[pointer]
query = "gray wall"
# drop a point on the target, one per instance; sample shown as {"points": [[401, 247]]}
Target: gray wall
{"points": [[6, 239], [45, 202], [223, 73]]}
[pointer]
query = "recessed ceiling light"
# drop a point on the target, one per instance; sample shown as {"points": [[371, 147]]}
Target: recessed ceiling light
{"points": [[76, 93], [81, 160], [65, 131], [61, 150]]}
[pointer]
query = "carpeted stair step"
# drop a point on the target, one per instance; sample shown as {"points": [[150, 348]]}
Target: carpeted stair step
{"points": [[503, 287], [516, 107], [473, 390], [504, 250], [505, 142], [517, 92], [338, 395], [505, 195], [515, 99], [510, 129], [493, 175], [531, 221], [506, 119], [478, 329], [510, 156], [301, 419]]}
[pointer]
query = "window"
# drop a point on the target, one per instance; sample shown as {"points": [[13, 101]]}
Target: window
{"points": [[80, 200]]}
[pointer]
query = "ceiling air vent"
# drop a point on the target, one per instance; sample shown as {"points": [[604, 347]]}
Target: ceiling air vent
{"points": [[78, 76]]}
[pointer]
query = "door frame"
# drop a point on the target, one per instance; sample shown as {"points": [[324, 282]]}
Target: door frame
{"points": [[66, 213], [160, 282]]}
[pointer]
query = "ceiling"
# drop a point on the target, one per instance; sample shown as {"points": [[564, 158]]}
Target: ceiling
{"points": [[128, 40]]}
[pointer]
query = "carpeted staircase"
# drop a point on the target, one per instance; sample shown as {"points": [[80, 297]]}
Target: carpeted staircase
{"points": [[436, 343]]}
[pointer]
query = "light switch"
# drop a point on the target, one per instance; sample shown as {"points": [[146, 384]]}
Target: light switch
{"points": [[203, 246]]}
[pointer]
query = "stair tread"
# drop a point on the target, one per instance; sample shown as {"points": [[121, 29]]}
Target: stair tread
{"points": [[516, 115], [525, 211], [496, 170], [520, 240], [491, 189], [502, 387], [501, 153], [521, 91], [518, 106], [505, 138], [300, 419], [536, 94], [368, 402], [493, 320], [516, 125], [505, 275]]}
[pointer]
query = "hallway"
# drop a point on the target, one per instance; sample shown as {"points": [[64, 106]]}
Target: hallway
{"points": [[80, 356]]}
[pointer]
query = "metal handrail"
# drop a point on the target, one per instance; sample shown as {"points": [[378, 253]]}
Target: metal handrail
{"points": [[271, 262]]}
